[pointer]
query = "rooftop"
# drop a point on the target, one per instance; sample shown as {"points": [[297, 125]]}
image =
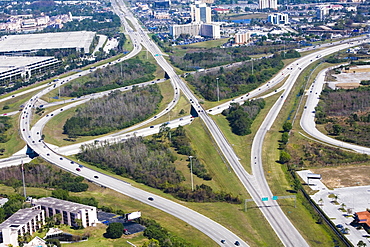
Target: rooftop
{"points": [[21, 217], [60, 40], [364, 217], [61, 204], [13, 62]]}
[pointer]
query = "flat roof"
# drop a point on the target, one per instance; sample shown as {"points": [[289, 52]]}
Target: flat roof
{"points": [[21, 217], [13, 62], [61, 204], [42, 41]]}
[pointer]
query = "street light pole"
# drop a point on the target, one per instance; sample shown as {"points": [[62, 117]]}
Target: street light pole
{"points": [[191, 173], [218, 90]]}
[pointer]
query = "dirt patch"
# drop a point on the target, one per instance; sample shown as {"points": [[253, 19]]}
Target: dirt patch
{"points": [[344, 176], [358, 69]]}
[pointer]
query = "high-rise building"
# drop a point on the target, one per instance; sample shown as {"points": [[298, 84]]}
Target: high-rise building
{"points": [[268, 4], [200, 13], [278, 19]]}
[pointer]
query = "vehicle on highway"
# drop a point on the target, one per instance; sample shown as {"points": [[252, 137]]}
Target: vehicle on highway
{"points": [[96, 176], [237, 243], [72, 162], [152, 127], [223, 241], [78, 169], [150, 198], [61, 158]]}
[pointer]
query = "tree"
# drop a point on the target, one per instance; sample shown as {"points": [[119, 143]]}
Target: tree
{"points": [[287, 126], [285, 138], [337, 129], [361, 244], [114, 230], [152, 243], [60, 194], [284, 157]]}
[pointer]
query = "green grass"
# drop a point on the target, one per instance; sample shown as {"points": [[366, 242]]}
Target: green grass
{"points": [[242, 144], [15, 103], [15, 142], [207, 44]]}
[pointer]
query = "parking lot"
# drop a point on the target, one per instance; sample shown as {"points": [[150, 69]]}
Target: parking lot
{"points": [[132, 227]]}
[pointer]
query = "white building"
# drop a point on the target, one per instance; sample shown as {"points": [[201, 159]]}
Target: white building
{"points": [[196, 29], [278, 19], [27, 220], [70, 211], [268, 4], [192, 29]]}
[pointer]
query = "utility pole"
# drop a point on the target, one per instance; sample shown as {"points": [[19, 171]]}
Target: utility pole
{"points": [[191, 173], [218, 91]]}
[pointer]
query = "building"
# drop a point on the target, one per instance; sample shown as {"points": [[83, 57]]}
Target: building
{"points": [[25, 43], [268, 4], [210, 31], [196, 29], [27, 220], [13, 68], [278, 19], [221, 11], [192, 29], [242, 38], [363, 218], [200, 13], [70, 211]]}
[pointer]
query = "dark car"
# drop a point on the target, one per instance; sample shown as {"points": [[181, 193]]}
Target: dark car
{"points": [[96, 176], [48, 154], [78, 169], [223, 241], [72, 162], [150, 198], [152, 127], [237, 243]]}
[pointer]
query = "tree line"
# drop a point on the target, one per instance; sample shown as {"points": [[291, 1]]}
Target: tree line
{"points": [[241, 117], [125, 73], [212, 57], [115, 111], [39, 174], [235, 80], [178, 139], [151, 162]]}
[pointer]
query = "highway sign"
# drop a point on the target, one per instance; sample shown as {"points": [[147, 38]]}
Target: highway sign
{"points": [[274, 198], [264, 199]]}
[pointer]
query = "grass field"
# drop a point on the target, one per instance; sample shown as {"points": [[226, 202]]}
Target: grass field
{"points": [[15, 142]]}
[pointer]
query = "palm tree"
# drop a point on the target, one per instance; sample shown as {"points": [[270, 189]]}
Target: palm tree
{"points": [[361, 244]]}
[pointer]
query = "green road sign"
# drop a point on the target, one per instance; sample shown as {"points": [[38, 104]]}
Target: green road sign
{"points": [[274, 198], [264, 199]]}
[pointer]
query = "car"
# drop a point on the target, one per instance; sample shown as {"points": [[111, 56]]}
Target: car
{"points": [[181, 119], [339, 226], [24, 129], [40, 140], [33, 141], [78, 169], [153, 82], [155, 116], [72, 162], [96, 176], [13, 96], [237, 243], [151, 127], [150, 198], [80, 166], [47, 115], [48, 154], [38, 133], [51, 114], [61, 109], [223, 241]]}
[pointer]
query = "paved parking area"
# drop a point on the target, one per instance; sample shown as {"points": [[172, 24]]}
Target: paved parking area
{"points": [[353, 199], [108, 218]]}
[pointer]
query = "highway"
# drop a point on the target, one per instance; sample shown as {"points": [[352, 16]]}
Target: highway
{"points": [[255, 184], [308, 117]]}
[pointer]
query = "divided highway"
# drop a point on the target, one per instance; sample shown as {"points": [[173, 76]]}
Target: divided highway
{"points": [[255, 184]]}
